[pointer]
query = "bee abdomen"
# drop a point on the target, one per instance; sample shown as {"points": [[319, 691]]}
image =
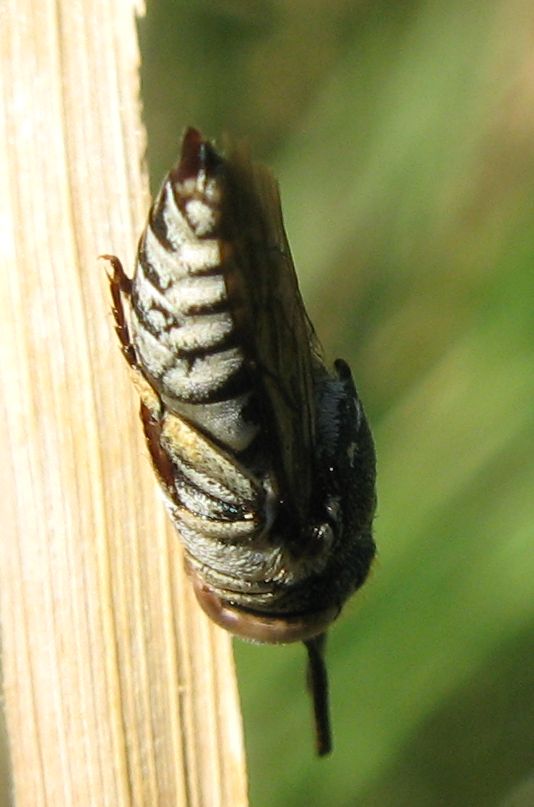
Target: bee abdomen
{"points": [[183, 329]]}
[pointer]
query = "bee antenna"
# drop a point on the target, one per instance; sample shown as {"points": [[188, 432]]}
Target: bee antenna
{"points": [[317, 679]]}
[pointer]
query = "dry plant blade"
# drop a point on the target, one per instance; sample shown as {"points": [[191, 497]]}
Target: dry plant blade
{"points": [[117, 690]]}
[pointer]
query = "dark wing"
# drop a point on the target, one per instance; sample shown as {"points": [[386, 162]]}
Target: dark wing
{"points": [[271, 314]]}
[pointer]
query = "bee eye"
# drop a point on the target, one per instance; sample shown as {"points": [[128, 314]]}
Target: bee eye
{"points": [[323, 536], [264, 455]]}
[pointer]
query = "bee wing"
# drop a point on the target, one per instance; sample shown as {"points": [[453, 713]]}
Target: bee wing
{"points": [[270, 311]]}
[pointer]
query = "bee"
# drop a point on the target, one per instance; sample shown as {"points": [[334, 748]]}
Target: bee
{"points": [[264, 456]]}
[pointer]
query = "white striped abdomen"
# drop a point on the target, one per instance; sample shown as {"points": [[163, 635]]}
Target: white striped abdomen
{"points": [[181, 318]]}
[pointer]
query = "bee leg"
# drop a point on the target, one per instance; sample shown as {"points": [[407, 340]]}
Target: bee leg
{"points": [[160, 459], [120, 284], [318, 687]]}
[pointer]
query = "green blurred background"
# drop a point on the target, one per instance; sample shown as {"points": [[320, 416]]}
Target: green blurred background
{"points": [[402, 134]]}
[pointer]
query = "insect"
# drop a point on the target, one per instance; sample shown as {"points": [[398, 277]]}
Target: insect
{"points": [[264, 456]]}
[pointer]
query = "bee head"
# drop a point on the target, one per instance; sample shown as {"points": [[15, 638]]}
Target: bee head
{"points": [[261, 627]]}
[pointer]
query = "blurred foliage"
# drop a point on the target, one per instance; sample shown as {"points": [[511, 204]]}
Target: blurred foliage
{"points": [[403, 138]]}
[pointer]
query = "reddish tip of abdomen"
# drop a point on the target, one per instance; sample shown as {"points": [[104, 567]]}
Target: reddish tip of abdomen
{"points": [[197, 154]]}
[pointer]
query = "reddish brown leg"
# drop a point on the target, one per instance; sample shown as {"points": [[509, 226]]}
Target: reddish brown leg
{"points": [[119, 284], [162, 464]]}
